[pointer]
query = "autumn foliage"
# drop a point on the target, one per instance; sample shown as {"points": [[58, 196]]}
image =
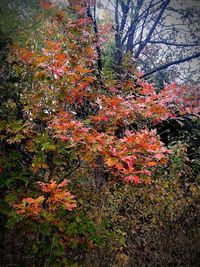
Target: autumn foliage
{"points": [[80, 133]]}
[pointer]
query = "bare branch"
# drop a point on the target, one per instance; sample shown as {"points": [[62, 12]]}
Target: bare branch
{"points": [[130, 29], [164, 6], [125, 10], [176, 62], [173, 44], [133, 29], [145, 19], [116, 15]]}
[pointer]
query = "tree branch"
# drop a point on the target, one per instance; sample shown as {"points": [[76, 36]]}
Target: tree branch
{"points": [[164, 6], [130, 28], [176, 62], [25, 28], [143, 25], [98, 48], [125, 10], [133, 28], [118, 43], [173, 44]]}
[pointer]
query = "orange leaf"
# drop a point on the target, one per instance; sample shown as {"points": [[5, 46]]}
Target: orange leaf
{"points": [[152, 163], [60, 57], [46, 4], [83, 70]]}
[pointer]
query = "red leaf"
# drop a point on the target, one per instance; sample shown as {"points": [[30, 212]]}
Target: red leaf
{"points": [[132, 179]]}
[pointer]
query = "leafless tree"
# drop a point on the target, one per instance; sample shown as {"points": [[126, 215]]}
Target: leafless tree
{"points": [[163, 33]]}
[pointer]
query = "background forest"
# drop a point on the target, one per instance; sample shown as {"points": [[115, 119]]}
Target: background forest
{"points": [[99, 133]]}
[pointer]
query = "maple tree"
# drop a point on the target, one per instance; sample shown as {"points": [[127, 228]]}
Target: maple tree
{"points": [[75, 120]]}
